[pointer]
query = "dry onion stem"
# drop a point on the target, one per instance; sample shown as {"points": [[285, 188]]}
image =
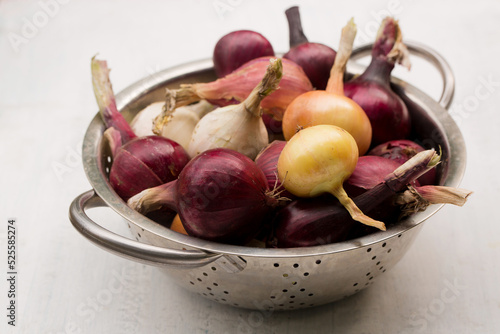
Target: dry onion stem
{"points": [[419, 198]]}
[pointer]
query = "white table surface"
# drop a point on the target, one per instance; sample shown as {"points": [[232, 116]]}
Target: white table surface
{"points": [[47, 102]]}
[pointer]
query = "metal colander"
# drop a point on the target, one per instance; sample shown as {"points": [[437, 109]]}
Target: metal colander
{"points": [[260, 278]]}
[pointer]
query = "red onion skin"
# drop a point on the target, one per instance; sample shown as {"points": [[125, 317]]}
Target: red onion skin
{"points": [[397, 150], [138, 162], [315, 59], [401, 151], [370, 171], [105, 98], [323, 220], [272, 104], [223, 197], [160, 204], [267, 161], [303, 223], [387, 112], [237, 48], [274, 127], [146, 162]]}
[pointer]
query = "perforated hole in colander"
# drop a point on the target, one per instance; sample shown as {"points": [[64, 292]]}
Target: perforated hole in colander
{"points": [[107, 163], [297, 288], [377, 254], [206, 284], [296, 293]]}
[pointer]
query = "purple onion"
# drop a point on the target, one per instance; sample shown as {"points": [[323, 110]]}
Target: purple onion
{"points": [[139, 163], [315, 59], [267, 161], [370, 171], [146, 162], [387, 112], [237, 48], [401, 151], [221, 195]]}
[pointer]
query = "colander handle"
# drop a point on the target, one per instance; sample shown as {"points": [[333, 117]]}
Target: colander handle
{"points": [[128, 248], [429, 55]]}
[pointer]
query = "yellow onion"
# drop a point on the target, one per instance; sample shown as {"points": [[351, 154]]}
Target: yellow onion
{"points": [[317, 160], [331, 106]]}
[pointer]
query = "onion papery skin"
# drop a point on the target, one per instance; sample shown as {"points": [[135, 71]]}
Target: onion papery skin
{"points": [[223, 197], [321, 107], [236, 86], [237, 48], [369, 172], [401, 151], [146, 162]]}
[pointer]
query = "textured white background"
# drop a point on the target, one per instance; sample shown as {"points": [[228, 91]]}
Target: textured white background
{"points": [[46, 104]]}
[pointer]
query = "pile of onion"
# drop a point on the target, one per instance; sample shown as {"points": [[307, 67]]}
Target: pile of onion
{"points": [[317, 221], [221, 195], [331, 106], [237, 86], [138, 162], [344, 169], [317, 160]]}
